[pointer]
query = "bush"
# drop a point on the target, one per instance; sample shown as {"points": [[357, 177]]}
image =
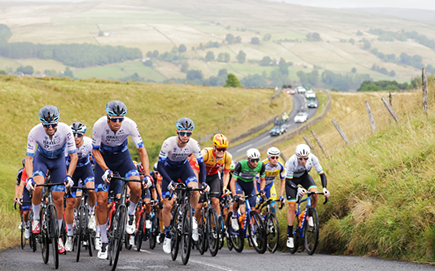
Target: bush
{"points": [[209, 56], [232, 82], [255, 40]]}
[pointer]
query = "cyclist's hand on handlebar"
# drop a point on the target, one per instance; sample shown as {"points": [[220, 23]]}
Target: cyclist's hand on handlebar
{"points": [[326, 192], [301, 192], [146, 182], [206, 187], [236, 198], [226, 191], [262, 193], [30, 184], [107, 173], [171, 186], [68, 181], [281, 199]]}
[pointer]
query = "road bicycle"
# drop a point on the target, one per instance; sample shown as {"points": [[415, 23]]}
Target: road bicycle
{"points": [[302, 227], [152, 231], [208, 227], [32, 241], [271, 224]]}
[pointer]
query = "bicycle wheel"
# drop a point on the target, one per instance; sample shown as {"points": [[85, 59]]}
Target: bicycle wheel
{"points": [[154, 232], [79, 223], [311, 232], [127, 241], [227, 234], [221, 233], [23, 240], [257, 233], [32, 241], [45, 239], [175, 233], [213, 229], [272, 232], [139, 233], [119, 232], [202, 233], [186, 233], [53, 231], [296, 232], [237, 239]]}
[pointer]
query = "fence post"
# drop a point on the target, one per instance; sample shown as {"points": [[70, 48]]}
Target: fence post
{"points": [[320, 144], [371, 119], [340, 131], [390, 109], [424, 79], [311, 145]]}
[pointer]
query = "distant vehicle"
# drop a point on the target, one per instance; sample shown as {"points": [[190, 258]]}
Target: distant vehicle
{"points": [[312, 103], [301, 117], [278, 130], [310, 94], [291, 91], [285, 116], [300, 89]]}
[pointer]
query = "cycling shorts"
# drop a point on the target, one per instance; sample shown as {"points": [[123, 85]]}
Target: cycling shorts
{"points": [[184, 173], [306, 181], [56, 166], [214, 182], [270, 191], [81, 173], [248, 188], [26, 200], [146, 193]]}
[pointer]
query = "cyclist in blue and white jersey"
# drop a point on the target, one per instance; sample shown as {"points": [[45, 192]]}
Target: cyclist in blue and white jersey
{"points": [[173, 165], [297, 168], [110, 150], [83, 172], [18, 191], [52, 137]]}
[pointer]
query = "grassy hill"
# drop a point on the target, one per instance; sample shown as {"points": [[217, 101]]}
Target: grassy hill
{"points": [[157, 25]]}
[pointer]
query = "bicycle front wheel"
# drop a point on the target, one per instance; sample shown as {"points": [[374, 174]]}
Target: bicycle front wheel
{"points": [[236, 238], [213, 228], [296, 233], [79, 223], [53, 231], [186, 233], [257, 233], [23, 240], [139, 233], [272, 232], [175, 233], [311, 232], [119, 232], [154, 232]]}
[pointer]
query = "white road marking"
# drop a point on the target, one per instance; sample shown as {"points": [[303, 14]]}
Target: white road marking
{"points": [[266, 137], [212, 265], [143, 250], [245, 147]]}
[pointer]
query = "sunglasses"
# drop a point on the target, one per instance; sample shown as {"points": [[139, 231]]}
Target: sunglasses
{"points": [[221, 149], [78, 134], [274, 157], [302, 159], [113, 119], [254, 160], [185, 133], [48, 125]]}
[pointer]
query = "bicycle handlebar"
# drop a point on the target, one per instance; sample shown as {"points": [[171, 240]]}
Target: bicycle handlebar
{"points": [[126, 180], [82, 188], [316, 193]]}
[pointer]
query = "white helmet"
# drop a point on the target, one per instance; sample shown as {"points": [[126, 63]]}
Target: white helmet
{"points": [[302, 150], [272, 151], [253, 153]]}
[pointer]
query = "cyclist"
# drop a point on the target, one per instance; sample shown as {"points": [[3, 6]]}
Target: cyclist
{"points": [[110, 150], [52, 138], [216, 158], [22, 197], [297, 168], [83, 172], [273, 168], [173, 165], [18, 191], [243, 181]]}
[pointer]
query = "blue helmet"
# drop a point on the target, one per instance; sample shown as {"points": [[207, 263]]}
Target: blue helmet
{"points": [[49, 113], [185, 124], [116, 108], [78, 127]]}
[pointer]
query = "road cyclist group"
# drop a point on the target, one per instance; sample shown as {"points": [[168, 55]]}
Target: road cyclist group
{"points": [[76, 193]]}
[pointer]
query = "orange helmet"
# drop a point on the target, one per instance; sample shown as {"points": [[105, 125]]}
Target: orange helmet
{"points": [[220, 141]]}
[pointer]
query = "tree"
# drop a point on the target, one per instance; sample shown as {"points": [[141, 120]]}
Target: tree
{"points": [[149, 54], [353, 70], [100, 33], [255, 80], [352, 41], [223, 72], [155, 53], [184, 67], [266, 61], [232, 82], [313, 37], [283, 67], [182, 48], [193, 75], [392, 74], [359, 33], [241, 57], [223, 57], [230, 38], [148, 63], [209, 56], [255, 40], [2, 72], [5, 33], [366, 45], [26, 70], [68, 73], [267, 37]]}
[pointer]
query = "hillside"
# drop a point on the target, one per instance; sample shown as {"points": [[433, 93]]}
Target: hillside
{"points": [[165, 25]]}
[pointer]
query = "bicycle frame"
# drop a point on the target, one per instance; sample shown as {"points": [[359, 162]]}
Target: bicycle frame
{"points": [[247, 216], [305, 218]]}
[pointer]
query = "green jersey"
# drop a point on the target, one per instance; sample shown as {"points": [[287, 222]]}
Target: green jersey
{"points": [[245, 173]]}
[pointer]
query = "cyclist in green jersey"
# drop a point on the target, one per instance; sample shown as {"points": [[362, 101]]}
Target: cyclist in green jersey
{"points": [[243, 181]]}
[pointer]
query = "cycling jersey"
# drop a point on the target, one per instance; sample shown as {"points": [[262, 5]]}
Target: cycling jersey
{"points": [[213, 164], [51, 148], [295, 170], [19, 174], [109, 142], [83, 152], [245, 173], [272, 171]]}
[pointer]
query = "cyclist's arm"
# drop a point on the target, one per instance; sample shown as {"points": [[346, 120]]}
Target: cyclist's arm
{"points": [[145, 160], [159, 190], [153, 193], [323, 179], [226, 179], [263, 177], [29, 166], [99, 159], [236, 173], [283, 180], [73, 163], [17, 191], [227, 166]]}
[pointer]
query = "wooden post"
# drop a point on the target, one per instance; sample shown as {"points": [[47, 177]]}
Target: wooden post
{"points": [[343, 135], [390, 97], [390, 109], [311, 145], [425, 104], [320, 144], [371, 119]]}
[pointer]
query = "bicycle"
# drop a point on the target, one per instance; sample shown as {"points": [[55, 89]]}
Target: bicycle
{"points": [[252, 226], [225, 202], [209, 228], [118, 218], [271, 224], [143, 233], [49, 230], [302, 228], [181, 224]]}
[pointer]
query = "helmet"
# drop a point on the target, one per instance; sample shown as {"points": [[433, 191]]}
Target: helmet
{"points": [[272, 151], [78, 127], [116, 108], [184, 124], [220, 141], [302, 150], [49, 113], [233, 165], [24, 161], [140, 168], [155, 167], [253, 153]]}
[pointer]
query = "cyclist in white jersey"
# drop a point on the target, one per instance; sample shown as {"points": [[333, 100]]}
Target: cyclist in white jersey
{"points": [[297, 168], [173, 165], [83, 172], [110, 150], [52, 137]]}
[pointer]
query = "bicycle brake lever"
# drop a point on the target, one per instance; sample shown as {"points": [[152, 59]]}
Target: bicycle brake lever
{"points": [[326, 200]]}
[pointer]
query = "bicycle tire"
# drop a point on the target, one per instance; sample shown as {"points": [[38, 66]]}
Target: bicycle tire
{"points": [[236, 237], [257, 229], [295, 235], [186, 233], [222, 232], [32, 241], [202, 233], [213, 229], [119, 232], [227, 234], [154, 232], [272, 233], [139, 232], [127, 244], [53, 231], [311, 233], [23, 241], [79, 223], [45, 252], [175, 237]]}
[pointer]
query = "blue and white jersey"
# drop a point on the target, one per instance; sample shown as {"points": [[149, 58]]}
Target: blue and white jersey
{"points": [[83, 152], [109, 142], [272, 172], [174, 156], [51, 148], [295, 170]]}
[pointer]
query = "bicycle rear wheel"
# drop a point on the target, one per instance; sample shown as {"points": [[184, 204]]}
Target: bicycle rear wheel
{"points": [[272, 232], [53, 231], [79, 223], [154, 232], [213, 229], [139, 233], [295, 235], [186, 233], [23, 240], [311, 232], [237, 239], [175, 233], [257, 233], [202, 233], [45, 240]]}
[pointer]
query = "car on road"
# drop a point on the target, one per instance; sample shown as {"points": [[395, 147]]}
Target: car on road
{"points": [[291, 91], [300, 89], [309, 94], [278, 130], [301, 117], [312, 103]]}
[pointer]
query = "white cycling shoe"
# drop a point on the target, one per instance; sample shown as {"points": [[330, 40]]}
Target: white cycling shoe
{"points": [[69, 243], [234, 223], [167, 245], [194, 229], [27, 233], [290, 242], [91, 222], [131, 227], [102, 254]]}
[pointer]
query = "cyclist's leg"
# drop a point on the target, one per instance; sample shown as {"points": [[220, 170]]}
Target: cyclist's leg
{"points": [[128, 169], [291, 195], [101, 209], [189, 178], [39, 171], [215, 187], [89, 182], [239, 192], [57, 175], [308, 183]]}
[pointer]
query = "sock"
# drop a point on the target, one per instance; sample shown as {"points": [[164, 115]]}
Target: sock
{"points": [[234, 214], [36, 209], [161, 225], [290, 231], [98, 230], [70, 229], [168, 231], [131, 208], [91, 210], [59, 224], [103, 231]]}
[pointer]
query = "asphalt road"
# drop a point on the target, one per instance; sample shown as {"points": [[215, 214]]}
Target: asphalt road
{"points": [[299, 104], [249, 260]]}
